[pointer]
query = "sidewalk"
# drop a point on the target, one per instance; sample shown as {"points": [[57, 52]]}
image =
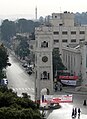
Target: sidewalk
{"points": [[75, 90]]}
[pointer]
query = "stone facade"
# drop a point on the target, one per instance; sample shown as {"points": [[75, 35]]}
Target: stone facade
{"points": [[62, 33]]}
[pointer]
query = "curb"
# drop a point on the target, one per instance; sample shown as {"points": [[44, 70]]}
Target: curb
{"points": [[50, 108], [75, 92]]}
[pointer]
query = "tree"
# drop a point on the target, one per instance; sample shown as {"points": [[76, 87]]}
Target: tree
{"points": [[23, 48], [24, 25], [8, 30], [57, 61], [3, 57], [4, 61], [12, 106]]}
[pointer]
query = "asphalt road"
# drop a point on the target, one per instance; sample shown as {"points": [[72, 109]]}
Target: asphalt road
{"points": [[18, 79]]}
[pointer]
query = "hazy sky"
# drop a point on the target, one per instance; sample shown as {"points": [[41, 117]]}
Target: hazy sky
{"points": [[44, 7]]}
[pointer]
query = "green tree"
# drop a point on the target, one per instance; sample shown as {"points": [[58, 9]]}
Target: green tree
{"points": [[14, 107], [4, 61], [24, 25], [8, 30], [57, 61], [3, 57], [23, 48]]}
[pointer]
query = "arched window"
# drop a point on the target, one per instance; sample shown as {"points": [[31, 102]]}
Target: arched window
{"points": [[44, 75], [44, 44]]}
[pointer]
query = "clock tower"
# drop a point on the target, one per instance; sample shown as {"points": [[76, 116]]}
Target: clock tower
{"points": [[43, 61]]}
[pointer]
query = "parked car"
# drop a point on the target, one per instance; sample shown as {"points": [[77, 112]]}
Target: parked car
{"points": [[24, 65], [29, 72]]}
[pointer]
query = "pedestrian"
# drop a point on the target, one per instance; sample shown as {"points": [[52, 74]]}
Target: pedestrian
{"points": [[79, 111], [60, 87], [75, 112], [56, 88], [84, 103]]}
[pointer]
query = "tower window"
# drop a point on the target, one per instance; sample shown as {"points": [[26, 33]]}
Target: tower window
{"points": [[45, 75], [44, 44]]}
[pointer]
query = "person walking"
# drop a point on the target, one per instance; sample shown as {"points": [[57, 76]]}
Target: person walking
{"points": [[60, 87], [75, 112], [79, 111]]}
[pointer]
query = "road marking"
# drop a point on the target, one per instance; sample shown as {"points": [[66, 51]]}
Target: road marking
{"points": [[22, 89], [26, 89], [16, 88], [19, 88]]}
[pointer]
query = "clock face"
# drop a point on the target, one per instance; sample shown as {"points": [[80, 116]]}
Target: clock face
{"points": [[45, 59]]}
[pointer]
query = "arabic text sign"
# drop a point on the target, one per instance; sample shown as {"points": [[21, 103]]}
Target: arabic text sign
{"points": [[58, 98]]}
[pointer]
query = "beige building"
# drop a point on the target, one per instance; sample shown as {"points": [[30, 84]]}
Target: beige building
{"points": [[63, 33]]}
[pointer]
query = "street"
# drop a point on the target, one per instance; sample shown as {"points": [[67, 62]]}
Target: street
{"points": [[18, 79], [21, 82]]}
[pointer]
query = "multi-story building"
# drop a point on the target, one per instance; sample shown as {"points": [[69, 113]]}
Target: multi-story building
{"points": [[63, 33]]}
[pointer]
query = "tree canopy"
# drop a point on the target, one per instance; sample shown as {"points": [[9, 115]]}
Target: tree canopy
{"points": [[22, 49], [10, 28], [12, 106], [4, 61], [57, 61]]}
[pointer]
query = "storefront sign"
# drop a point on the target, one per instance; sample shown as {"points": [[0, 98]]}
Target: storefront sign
{"points": [[58, 98], [68, 77]]}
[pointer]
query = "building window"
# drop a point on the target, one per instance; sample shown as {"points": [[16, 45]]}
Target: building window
{"points": [[60, 24], [64, 32], [36, 74], [45, 75], [55, 16], [81, 39], [44, 44], [64, 40], [73, 40], [73, 32], [56, 41], [82, 32], [55, 32]]}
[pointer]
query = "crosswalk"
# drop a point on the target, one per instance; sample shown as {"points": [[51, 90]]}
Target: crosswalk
{"points": [[22, 89]]}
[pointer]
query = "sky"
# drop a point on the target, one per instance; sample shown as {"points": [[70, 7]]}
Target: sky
{"points": [[44, 7]]}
